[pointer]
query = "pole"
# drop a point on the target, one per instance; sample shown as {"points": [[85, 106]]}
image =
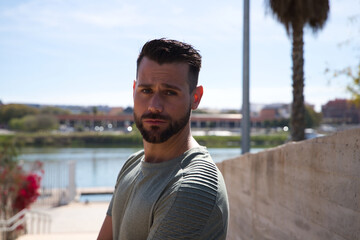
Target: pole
{"points": [[245, 121]]}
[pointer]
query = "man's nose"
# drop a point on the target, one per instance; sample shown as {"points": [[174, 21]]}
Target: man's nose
{"points": [[155, 105]]}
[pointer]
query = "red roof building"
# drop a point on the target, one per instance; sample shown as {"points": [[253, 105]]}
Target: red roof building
{"points": [[225, 121], [340, 111]]}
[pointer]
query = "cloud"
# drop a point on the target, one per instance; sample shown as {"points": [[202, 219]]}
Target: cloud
{"points": [[76, 17]]}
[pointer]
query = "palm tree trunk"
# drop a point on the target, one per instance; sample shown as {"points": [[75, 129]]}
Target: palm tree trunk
{"points": [[298, 107]]}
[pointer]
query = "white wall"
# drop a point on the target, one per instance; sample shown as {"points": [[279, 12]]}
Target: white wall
{"points": [[303, 190]]}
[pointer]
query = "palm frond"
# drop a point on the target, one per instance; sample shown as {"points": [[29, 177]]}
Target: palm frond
{"points": [[300, 13]]}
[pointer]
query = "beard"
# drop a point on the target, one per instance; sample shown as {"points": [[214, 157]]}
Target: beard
{"points": [[155, 135]]}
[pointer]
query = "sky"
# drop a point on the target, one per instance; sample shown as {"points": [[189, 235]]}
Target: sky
{"points": [[83, 52]]}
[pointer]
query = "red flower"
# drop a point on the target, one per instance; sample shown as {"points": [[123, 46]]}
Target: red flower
{"points": [[22, 192], [28, 192]]}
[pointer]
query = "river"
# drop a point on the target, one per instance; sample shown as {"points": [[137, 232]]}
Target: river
{"points": [[94, 167]]}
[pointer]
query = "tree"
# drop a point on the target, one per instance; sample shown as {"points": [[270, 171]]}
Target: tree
{"points": [[94, 110], [354, 86], [9, 111], [352, 72], [295, 15], [54, 111], [312, 118], [33, 123]]}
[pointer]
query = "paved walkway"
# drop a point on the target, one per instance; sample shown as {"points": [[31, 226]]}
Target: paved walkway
{"points": [[73, 221]]}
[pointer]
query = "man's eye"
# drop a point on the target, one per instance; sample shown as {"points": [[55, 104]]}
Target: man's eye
{"points": [[170, 93], [146, 90]]}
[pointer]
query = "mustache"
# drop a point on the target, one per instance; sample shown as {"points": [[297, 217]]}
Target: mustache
{"points": [[154, 116]]}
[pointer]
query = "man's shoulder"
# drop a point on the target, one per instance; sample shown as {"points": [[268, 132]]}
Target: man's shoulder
{"points": [[134, 158], [198, 160], [200, 172]]}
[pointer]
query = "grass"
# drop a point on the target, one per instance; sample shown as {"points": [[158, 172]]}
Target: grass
{"points": [[92, 139]]}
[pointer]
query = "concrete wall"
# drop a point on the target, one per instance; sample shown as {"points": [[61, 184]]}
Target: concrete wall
{"points": [[304, 190]]}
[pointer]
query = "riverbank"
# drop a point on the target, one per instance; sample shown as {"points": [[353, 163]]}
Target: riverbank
{"points": [[110, 139]]}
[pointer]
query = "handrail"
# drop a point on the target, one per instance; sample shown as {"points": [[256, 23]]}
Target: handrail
{"points": [[12, 223], [13, 218]]}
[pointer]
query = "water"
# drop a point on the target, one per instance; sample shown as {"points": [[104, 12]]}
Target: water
{"points": [[95, 167]]}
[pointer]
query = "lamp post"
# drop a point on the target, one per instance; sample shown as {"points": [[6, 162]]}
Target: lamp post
{"points": [[245, 121]]}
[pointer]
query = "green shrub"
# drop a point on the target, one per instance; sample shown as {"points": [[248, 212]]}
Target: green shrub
{"points": [[33, 123], [91, 139]]}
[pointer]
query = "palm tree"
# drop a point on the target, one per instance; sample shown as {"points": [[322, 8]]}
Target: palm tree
{"points": [[295, 15]]}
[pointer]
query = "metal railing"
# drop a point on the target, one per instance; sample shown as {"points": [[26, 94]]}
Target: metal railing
{"points": [[36, 222], [57, 185]]}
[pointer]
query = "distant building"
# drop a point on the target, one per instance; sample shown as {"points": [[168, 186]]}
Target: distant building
{"points": [[340, 111], [116, 111], [121, 122], [271, 112], [129, 110], [92, 122], [275, 114], [216, 121]]}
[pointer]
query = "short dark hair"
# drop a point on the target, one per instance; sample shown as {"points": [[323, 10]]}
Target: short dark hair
{"points": [[171, 51]]}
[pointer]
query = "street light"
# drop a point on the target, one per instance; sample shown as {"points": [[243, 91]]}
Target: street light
{"points": [[245, 121]]}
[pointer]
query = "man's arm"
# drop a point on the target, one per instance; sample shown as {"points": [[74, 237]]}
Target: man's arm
{"points": [[106, 229]]}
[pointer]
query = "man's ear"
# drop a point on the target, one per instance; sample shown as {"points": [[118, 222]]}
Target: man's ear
{"points": [[134, 85], [196, 97]]}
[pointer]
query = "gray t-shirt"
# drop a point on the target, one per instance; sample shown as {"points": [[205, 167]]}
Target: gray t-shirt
{"points": [[184, 198]]}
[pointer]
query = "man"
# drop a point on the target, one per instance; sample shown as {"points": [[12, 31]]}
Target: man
{"points": [[172, 189]]}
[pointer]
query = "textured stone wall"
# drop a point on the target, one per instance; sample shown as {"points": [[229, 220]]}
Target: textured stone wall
{"points": [[303, 190]]}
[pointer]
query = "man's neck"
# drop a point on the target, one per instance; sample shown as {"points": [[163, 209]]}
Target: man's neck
{"points": [[170, 149]]}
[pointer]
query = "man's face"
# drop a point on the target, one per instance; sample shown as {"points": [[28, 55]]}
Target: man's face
{"points": [[162, 102]]}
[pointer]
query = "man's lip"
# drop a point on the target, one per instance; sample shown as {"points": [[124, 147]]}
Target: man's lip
{"points": [[154, 121]]}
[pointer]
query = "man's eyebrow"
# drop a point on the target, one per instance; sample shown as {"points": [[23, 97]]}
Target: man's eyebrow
{"points": [[171, 86], [145, 85], [165, 85]]}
